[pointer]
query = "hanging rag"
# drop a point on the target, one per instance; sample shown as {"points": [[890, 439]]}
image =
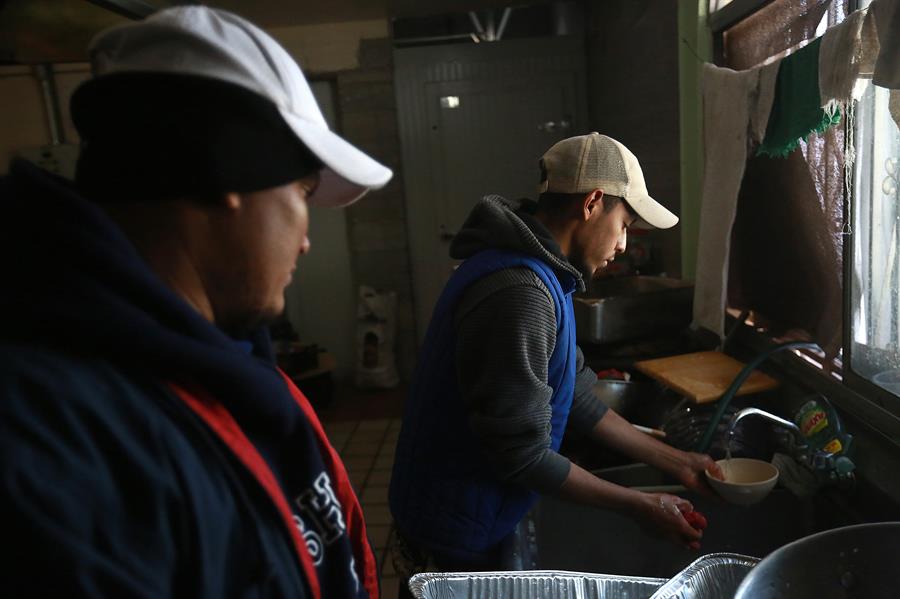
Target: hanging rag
{"points": [[886, 14], [841, 57], [761, 104], [797, 108], [736, 106], [884, 19]]}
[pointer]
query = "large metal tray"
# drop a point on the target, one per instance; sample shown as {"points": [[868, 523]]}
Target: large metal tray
{"points": [[533, 584], [712, 576]]}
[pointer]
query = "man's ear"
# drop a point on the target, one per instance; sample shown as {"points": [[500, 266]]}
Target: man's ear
{"points": [[592, 201]]}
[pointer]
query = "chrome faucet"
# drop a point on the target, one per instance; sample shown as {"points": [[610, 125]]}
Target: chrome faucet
{"points": [[800, 446], [828, 467]]}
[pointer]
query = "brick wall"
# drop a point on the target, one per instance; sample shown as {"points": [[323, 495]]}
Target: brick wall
{"points": [[633, 97]]}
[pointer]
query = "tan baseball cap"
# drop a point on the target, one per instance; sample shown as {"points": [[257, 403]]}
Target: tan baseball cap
{"points": [[587, 162]]}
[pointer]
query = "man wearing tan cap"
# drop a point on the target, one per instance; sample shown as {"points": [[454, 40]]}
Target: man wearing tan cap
{"points": [[500, 375]]}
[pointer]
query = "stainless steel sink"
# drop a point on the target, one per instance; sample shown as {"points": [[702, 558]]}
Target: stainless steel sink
{"points": [[572, 537], [853, 561], [616, 309]]}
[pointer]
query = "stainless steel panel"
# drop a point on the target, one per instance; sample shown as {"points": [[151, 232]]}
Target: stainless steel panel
{"points": [[712, 576], [843, 563], [585, 539], [632, 307], [537, 584]]}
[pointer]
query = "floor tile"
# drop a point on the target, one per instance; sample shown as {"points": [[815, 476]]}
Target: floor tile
{"points": [[380, 477], [378, 424], [390, 587], [358, 463], [377, 514], [335, 428], [384, 462], [375, 495], [387, 566], [356, 448], [358, 480], [378, 535], [368, 436], [368, 506], [339, 440]]}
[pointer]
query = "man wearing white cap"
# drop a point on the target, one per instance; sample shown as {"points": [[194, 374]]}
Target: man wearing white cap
{"points": [[500, 375], [151, 448]]}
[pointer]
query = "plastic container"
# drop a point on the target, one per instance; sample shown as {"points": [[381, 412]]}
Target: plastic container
{"points": [[820, 425], [889, 379], [535, 584], [712, 576]]}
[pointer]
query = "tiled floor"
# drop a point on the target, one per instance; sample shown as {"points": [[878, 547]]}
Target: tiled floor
{"points": [[367, 448]]}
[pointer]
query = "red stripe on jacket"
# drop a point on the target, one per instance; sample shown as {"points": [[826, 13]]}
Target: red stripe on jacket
{"points": [[224, 425], [353, 515]]}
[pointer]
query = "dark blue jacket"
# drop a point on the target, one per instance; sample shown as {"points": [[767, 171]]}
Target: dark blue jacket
{"points": [[444, 495], [143, 453]]}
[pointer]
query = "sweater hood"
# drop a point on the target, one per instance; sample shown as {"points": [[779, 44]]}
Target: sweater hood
{"points": [[498, 223], [76, 283]]}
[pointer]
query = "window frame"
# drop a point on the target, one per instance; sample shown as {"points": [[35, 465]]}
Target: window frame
{"points": [[872, 405], [859, 383]]}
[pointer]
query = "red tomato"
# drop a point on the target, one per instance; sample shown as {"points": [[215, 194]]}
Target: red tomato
{"points": [[696, 520]]}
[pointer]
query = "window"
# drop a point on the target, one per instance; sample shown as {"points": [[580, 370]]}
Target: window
{"points": [[869, 361], [787, 242], [875, 281]]}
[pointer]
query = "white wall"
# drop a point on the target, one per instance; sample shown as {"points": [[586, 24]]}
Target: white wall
{"points": [[321, 301]]}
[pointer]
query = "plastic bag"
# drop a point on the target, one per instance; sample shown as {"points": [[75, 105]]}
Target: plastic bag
{"points": [[376, 365]]}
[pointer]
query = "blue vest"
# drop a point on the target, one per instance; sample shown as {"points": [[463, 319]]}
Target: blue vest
{"points": [[444, 495]]}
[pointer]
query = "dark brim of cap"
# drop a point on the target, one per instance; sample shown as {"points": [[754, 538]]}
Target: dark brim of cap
{"points": [[170, 134]]}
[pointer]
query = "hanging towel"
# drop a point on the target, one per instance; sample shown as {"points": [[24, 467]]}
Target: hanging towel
{"points": [[840, 59], [887, 21], [761, 104], [731, 103], [797, 108]]}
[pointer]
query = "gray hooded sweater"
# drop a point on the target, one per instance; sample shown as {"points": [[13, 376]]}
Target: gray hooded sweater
{"points": [[506, 333]]}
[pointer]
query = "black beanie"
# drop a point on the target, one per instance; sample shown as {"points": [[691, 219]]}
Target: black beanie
{"points": [[153, 136]]}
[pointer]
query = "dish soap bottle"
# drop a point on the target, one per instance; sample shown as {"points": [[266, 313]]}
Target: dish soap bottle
{"points": [[829, 446]]}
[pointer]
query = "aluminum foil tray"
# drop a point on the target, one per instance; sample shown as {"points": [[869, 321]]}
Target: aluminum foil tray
{"points": [[711, 577], [531, 584]]}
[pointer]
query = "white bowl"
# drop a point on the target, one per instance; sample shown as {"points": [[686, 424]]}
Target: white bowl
{"points": [[747, 481]]}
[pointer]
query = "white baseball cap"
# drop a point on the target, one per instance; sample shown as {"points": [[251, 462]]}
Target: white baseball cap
{"points": [[205, 42], [587, 162]]}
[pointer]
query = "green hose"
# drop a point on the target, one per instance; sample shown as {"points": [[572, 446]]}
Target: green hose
{"points": [[706, 440]]}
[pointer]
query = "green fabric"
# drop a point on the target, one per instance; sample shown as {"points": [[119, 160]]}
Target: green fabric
{"points": [[797, 107]]}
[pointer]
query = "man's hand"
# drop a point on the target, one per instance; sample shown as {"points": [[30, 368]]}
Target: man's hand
{"points": [[690, 473], [687, 467], [663, 515]]}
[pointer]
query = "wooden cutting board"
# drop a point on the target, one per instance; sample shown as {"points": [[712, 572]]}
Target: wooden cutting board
{"points": [[704, 376]]}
